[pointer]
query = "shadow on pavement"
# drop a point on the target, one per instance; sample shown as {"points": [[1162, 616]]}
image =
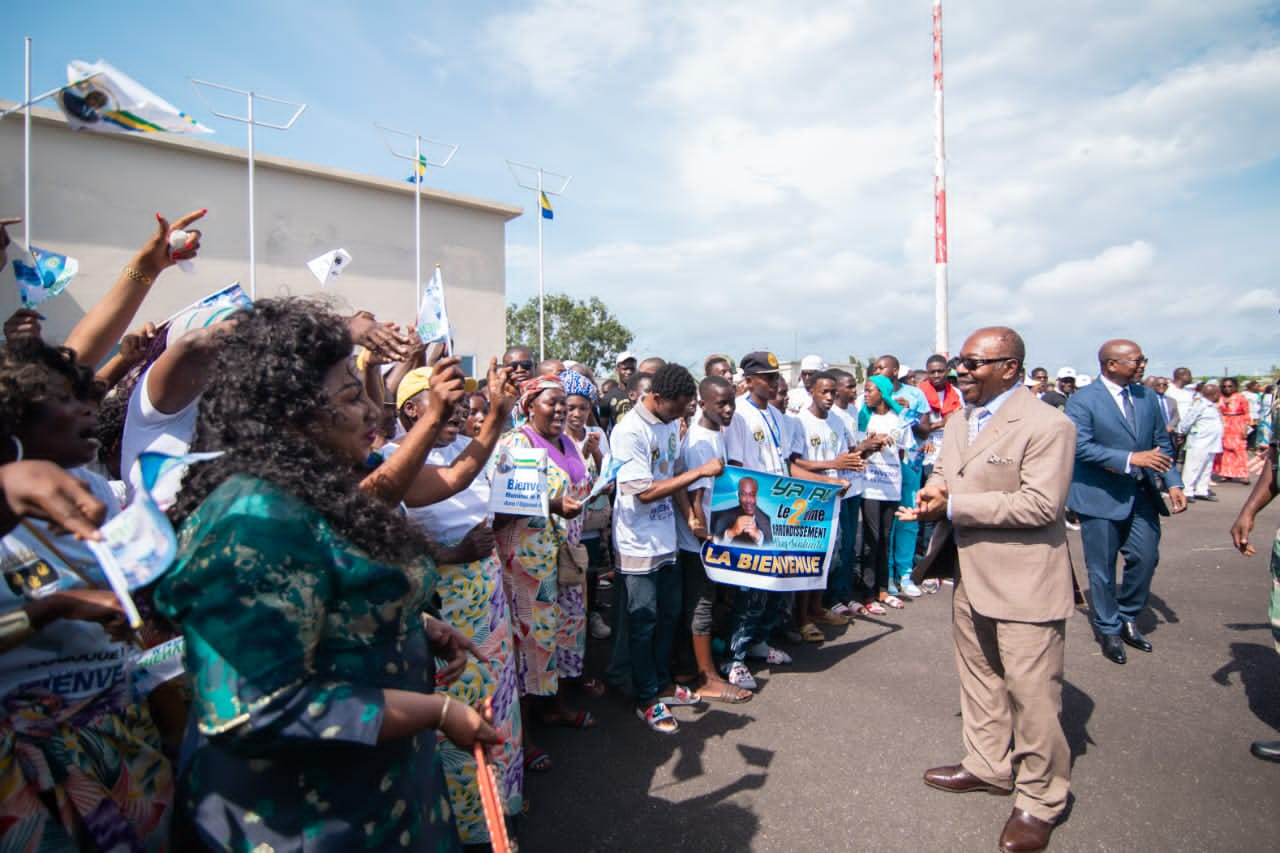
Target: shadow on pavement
{"points": [[1077, 708], [1259, 669]]}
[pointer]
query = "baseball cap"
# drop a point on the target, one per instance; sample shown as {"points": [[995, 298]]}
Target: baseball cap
{"points": [[1067, 373], [625, 355], [812, 362], [759, 363]]}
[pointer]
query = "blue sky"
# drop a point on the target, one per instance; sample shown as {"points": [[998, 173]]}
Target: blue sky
{"points": [[759, 175]]}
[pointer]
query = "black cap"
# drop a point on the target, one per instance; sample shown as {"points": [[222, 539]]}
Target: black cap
{"points": [[759, 363]]}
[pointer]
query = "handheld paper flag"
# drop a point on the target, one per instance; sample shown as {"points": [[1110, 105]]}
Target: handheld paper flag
{"points": [[112, 102], [45, 278], [547, 212], [138, 545], [609, 469], [329, 266], [519, 482], [433, 319], [232, 295], [156, 665]]}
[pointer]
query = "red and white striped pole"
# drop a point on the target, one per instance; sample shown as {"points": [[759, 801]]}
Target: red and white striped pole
{"points": [[940, 331]]}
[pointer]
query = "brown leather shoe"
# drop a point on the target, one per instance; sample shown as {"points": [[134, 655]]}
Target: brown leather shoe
{"points": [[957, 780], [1024, 833]]}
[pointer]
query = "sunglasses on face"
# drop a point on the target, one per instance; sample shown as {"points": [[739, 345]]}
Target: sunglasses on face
{"points": [[525, 364], [972, 364]]}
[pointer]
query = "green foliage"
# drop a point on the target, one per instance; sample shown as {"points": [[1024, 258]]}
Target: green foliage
{"points": [[583, 331]]}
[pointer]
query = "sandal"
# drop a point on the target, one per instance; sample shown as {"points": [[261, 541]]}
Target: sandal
{"points": [[893, 601], [538, 761], [874, 608], [739, 676], [725, 692], [592, 687], [777, 657], [681, 696], [812, 633], [580, 720], [856, 609], [830, 617], [659, 719], [842, 611]]}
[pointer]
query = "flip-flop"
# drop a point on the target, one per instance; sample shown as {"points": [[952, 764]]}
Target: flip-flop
{"points": [[681, 696], [812, 633], [580, 720], [726, 693], [659, 719], [592, 687], [874, 608], [538, 761], [893, 601]]}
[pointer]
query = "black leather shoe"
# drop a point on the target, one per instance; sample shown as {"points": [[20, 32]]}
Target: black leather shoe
{"points": [[1267, 750], [1133, 637], [1211, 497], [1112, 648]]}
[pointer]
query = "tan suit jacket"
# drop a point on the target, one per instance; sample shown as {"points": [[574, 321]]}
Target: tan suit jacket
{"points": [[1008, 495]]}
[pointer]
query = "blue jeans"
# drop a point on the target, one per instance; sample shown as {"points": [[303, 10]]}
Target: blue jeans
{"points": [[840, 586], [755, 613], [1137, 539], [902, 543], [653, 608]]}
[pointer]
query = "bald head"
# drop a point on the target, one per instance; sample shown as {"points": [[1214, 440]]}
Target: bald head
{"points": [[1006, 339], [1118, 348], [1121, 361]]}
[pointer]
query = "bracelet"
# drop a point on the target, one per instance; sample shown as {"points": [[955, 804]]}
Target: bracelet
{"points": [[444, 711], [134, 275], [15, 628]]}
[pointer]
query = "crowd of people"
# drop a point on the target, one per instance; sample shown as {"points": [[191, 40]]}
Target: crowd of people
{"points": [[355, 621]]}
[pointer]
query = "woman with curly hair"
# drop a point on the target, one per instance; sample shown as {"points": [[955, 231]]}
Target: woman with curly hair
{"points": [[81, 763], [301, 598], [548, 623]]}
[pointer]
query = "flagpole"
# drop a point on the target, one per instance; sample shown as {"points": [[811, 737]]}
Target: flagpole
{"points": [[419, 161], [941, 332], [26, 155], [542, 338], [249, 119], [541, 190]]}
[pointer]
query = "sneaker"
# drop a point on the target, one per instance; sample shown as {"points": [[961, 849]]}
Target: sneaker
{"points": [[910, 590], [893, 588], [738, 675], [598, 627], [777, 657], [930, 585]]}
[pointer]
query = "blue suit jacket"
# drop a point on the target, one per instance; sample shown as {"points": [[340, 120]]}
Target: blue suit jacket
{"points": [[1104, 439]]}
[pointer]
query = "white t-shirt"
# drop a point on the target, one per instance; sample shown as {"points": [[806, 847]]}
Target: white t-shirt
{"points": [[449, 520], [824, 439], [759, 439], [644, 533], [883, 474], [72, 659], [1181, 396], [849, 423], [147, 428], [701, 445], [798, 399]]}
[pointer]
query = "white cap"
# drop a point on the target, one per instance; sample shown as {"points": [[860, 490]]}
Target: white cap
{"points": [[1082, 380], [1066, 373], [812, 362], [624, 356], [904, 371]]}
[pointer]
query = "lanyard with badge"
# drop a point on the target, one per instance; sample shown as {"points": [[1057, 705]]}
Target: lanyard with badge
{"points": [[774, 431]]}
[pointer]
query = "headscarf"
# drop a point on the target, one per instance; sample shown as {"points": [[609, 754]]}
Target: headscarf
{"points": [[577, 385], [885, 385], [532, 387], [414, 382]]}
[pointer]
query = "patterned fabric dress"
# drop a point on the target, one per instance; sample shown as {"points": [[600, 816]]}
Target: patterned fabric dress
{"points": [[292, 633], [81, 766], [1233, 461], [528, 549]]}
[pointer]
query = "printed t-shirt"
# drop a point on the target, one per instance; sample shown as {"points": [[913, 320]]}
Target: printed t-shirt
{"points": [[759, 439], [883, 474], [824, 439], [644, 533], [148, 428], [701, 445], [70, 658], [849, 424]]}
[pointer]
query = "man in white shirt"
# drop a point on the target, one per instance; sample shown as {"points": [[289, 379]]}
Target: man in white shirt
{"points": [[644, 529], [798, 399], [1202, 432]]}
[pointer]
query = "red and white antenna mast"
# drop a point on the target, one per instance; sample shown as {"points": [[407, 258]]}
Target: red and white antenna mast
{"points": [[940, 331]]}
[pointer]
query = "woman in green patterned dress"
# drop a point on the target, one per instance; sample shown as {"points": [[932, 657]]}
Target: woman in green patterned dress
{"points": [[301, 600]]}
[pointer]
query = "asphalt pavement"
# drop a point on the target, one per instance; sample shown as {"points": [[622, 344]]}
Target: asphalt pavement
{"points": [[829, 754]]}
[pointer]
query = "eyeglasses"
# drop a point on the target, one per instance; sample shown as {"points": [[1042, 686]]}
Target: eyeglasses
{"points": [[1142, 359], [972, 364], [525, 364]]}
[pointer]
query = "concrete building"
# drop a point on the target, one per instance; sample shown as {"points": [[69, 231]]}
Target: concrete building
{"points": [[94, 198]]}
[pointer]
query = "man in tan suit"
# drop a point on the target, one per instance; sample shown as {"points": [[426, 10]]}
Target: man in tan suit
{"points": [[999, 492]]}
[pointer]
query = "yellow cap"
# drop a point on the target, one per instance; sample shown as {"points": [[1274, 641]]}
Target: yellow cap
{"points": [[414, 382]]}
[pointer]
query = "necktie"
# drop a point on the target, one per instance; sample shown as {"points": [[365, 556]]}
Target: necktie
{"points": [[1127, 405], [975, 422]]}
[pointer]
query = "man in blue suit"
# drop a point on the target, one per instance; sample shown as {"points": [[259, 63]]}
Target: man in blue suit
{"points": [[1123, 461]]}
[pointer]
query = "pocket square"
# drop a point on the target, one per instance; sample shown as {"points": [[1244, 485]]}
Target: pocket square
{"points": [[1000, 460]]}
